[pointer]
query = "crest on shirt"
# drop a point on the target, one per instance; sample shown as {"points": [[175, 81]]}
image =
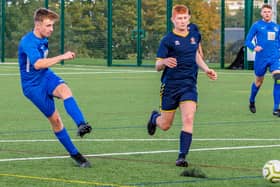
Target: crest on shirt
{"points": [[177, 42], [192, 40], [276, 29]]}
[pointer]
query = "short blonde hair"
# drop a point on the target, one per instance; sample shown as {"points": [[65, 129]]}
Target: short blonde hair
{"points": [[44, 13]]}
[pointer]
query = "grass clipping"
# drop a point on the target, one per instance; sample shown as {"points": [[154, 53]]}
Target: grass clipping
{"points": [[193, 172]]}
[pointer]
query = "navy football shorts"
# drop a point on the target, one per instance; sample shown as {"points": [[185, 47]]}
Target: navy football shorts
{"points": [[171, 97]]}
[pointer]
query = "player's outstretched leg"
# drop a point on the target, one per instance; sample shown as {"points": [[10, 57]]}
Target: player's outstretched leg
{"points": [[252, 107], [81, 161], [83, 129], [65, 140], [151, 125]]}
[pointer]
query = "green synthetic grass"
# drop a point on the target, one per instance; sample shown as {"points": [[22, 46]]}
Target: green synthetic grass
{"points": [[230, 145]]}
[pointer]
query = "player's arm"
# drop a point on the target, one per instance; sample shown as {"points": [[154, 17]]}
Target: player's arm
{"points": [[48, 62], [249, 39], [202, 65], [200, 50], [161, 63]]}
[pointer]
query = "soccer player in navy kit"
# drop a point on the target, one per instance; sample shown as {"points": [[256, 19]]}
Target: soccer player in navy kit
{"points": [[40, 85], [263, 38], [179, 59]]}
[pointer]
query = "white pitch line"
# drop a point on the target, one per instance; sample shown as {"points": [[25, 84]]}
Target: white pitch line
{"points": [[140, 140], [143, 152], [86, 73]]}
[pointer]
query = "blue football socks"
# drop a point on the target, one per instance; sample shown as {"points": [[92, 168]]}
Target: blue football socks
{"points": [[65, 140], [185, 143], [74, 111], [276, 96], [254, 92]]}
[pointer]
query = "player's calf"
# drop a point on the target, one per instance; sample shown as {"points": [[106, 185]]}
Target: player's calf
{"points": [[276, 94]]}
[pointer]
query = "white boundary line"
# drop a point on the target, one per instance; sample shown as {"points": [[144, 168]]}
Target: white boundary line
{"points": [[141, 140], [143, 152], [87, 73], [105, 70]]}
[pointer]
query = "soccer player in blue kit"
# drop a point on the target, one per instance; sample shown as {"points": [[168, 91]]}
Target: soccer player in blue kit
{"points": [[179, 59], [40, 85], [263, 38]]}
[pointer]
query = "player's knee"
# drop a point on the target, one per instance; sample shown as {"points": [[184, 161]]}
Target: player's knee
{"points": [[188, 119], [259, 82], [276, 77]]}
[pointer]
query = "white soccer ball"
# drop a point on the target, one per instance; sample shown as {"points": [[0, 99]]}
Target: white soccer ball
{"points": [[271, 171]]}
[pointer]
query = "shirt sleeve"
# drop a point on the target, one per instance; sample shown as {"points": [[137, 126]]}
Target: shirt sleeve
{"points": [[163, 49], [250, 36], [32, 52]]}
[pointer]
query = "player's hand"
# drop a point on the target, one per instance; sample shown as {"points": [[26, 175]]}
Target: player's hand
{"points": [[170, 62], [212, 74], [69, 55], [258, 48]]}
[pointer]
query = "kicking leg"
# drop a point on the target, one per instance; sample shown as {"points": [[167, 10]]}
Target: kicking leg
{"points": [[63, 91], [64, 138]]}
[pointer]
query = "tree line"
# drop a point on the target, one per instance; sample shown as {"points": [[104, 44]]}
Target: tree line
{"points": [[86, 26]]}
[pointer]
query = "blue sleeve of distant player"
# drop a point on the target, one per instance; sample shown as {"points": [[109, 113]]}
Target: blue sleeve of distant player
{"points": [[279, 38], [251, 34], [32, 52]]}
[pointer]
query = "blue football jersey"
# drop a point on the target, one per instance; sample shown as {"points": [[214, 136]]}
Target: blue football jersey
{"points": [[266, 35], [31, 49]]}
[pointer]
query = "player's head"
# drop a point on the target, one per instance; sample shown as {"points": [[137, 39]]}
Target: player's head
{"points": [[44, 20], [180, 17], [266, 12]]}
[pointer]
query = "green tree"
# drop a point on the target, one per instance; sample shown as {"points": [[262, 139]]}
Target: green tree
{"points": [[154, 25], [124, 22], [19, 20]]}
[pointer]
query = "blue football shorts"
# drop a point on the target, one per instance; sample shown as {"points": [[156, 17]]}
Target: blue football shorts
{"points": [[261, 65], [171, 97], [42, 95]]}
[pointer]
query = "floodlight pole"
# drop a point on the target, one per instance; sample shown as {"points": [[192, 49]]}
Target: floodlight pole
{"points": [[3, 18], [248, 22], [46, 4], [109, 32], [222, 50], [139, 32], [62, 7], [169, 5]]}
